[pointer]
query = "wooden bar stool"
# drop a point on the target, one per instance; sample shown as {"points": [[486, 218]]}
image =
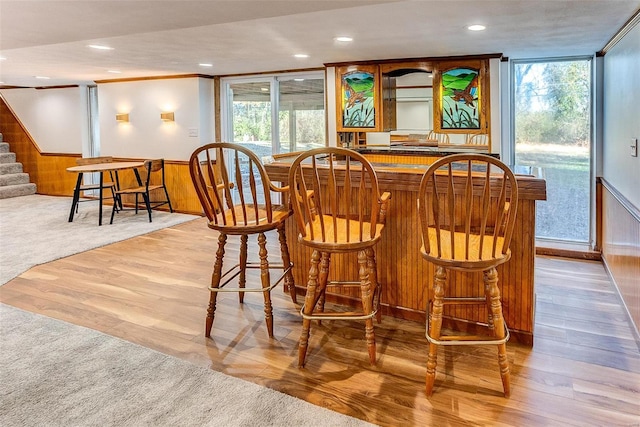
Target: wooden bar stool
{"points": [[338, 209], [235, 193], [467, 207]]}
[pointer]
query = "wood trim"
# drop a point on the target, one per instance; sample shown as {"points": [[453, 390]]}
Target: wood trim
{"points": [[276, 72], [569, 253], [55, 87], [137, 79], [425, 59], [217, 99]]}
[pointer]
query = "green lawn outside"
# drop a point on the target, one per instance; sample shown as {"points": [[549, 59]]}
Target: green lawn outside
{"points": [[565, 213]]}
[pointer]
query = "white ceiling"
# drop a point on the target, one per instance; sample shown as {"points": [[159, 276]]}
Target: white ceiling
{"points": [[170, 37]]}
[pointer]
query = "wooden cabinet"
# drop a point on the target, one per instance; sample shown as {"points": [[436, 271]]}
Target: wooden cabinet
{"points": [[367, 97]]}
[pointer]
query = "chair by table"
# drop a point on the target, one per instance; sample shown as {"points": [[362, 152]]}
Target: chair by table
{"points": [[112, 185], [146, 187], [338, 209], [100, 168], [467, 207], [235, 193]]}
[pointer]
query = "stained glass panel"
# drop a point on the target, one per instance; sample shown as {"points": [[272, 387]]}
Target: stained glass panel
{"points": [[460, 96]]}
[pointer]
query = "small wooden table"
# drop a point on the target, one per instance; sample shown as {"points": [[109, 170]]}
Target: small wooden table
{"points": [[102, 168]]}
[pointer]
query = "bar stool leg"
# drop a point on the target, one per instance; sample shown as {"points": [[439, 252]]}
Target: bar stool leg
{"points": [[215, 283], [367, 304], [309, 302], [491, 286], [373, 276], [322, 283], [286, 263], [266, 282], [242, 280], [435, 317]]}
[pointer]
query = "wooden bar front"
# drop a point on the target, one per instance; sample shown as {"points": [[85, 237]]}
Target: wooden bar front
{"points": [[406, 278]]}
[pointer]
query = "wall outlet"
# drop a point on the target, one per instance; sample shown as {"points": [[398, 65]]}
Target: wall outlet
{"points": [[634, 147], [193, 132]]}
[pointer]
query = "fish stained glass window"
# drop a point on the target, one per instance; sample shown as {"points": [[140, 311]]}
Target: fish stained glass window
{"points": [[460, 99], [358, 99]]}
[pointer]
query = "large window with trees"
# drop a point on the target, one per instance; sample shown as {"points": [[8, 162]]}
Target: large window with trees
{"points": [[552, 130], [274, 114]]}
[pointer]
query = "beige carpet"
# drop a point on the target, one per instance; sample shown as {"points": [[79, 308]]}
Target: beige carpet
{"points": [[55, 374], [36, 229]]}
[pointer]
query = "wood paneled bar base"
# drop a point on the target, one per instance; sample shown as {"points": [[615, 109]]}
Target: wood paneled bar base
{"points": [[406, 278]]}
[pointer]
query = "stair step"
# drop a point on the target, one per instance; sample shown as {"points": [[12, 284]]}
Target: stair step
{"points": [[7, 157], [9, 168], [17, 190], [4, 147], [14, 179]]}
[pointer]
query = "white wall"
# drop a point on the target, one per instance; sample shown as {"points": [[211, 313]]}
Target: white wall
{"points": [[146, 135], [622, 116], [57, 119]]}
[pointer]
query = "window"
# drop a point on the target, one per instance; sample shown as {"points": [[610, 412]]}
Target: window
{"points": [[275, 114], [551, 105]]}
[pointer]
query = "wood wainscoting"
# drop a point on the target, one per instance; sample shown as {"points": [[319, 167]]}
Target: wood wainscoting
{"points": [[621, 247]]}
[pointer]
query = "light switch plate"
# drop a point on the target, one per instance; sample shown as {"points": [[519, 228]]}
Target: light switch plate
{"points": [[634, 147], [193, 132]]}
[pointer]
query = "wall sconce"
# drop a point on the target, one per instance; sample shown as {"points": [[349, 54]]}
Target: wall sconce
{"points": [[167, 117], [122, 117]]}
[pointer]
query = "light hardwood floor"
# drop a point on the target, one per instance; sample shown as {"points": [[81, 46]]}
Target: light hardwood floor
{"points": [[584, 367]]}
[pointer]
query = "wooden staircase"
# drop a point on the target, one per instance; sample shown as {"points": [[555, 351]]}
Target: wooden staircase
{"points": [[13, 181]]}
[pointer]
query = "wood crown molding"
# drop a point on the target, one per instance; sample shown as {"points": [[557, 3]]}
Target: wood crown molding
{"points": [[427, 59], [136, 79]]}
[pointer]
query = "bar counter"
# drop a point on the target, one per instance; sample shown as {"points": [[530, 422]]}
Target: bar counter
{"points": [[406, 278]]}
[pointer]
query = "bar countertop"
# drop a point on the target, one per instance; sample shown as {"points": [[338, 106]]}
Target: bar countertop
{"points": [[407, 177]]}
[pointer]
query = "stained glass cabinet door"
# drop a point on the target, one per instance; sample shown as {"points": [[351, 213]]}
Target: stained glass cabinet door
{"points": [[461, 94], [358, 98]]}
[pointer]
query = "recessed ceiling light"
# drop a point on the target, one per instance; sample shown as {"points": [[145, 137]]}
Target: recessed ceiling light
{"points": [[205, 64], [344, 39], [476, 27], [301, 55], [298, 80], [2, 58], [264, 89], [99, 47], [42, 77], [114, 71]]}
